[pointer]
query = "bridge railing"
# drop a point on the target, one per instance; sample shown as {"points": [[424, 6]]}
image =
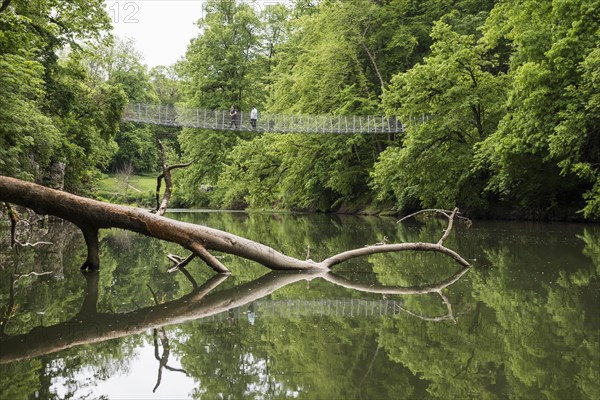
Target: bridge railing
{"points": [[283, 123]]}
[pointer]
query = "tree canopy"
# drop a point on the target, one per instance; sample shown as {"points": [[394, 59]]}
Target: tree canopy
{"points": [[498, 100], [498, 110], [53, 110]]}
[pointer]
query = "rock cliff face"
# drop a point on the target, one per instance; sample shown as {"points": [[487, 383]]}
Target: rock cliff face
{"points": [[56, 176]]}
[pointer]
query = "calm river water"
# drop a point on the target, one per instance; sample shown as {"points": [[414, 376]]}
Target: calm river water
{"points": [[523, 323]]}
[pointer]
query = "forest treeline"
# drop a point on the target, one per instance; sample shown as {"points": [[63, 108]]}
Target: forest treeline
{"points": [[511, 89]]}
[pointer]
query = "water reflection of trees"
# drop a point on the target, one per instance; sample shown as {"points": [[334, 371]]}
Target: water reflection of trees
{"points": [[532, 332], [91, 326], [520, 329]]}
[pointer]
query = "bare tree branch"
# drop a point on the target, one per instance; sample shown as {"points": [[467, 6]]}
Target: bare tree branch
{"points": [[450, 215], [445, 213], [371, 57], [448, 228], [179, 261], [381, 82], [164, 358], [189, 277], [449, 315], [413, 290], [27, 244], [179, 265], [19, 276], [161, 206], [14, 221], [389, 248], [209, 259]]}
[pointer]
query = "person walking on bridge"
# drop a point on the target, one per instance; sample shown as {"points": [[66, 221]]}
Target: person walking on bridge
{"points": [[233, 114], [253, 117]]}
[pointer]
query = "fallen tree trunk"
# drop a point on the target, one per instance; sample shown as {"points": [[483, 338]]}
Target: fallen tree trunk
{"points": [[91, 215]]}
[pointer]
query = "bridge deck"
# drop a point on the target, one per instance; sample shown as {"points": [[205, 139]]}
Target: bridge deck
{"points": [[277, 123]]}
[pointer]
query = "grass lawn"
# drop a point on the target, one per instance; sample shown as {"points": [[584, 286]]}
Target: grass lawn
{"points": [[112, 188]]}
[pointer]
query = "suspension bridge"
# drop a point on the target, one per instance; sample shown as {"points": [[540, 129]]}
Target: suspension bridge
{"points": [[220, 120]]}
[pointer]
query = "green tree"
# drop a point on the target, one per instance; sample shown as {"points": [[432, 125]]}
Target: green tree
{"points": [[288, 171], [88, 116], [165, 82], [546, 150], [27, 136], [218, 66], [118, 62], [137, 147], [219, 71], [459, 102], [320, 67], [52, 111]]}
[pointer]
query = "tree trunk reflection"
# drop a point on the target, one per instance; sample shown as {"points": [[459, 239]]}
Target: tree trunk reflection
{"points": [[90, 326]]}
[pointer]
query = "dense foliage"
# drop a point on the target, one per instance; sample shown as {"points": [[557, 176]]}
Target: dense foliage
{"points": [[64, 82], [500, 110], [499, 101], [52, 110]]}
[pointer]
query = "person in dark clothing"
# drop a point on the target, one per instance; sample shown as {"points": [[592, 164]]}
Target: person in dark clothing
{"points": [[233, 114]]}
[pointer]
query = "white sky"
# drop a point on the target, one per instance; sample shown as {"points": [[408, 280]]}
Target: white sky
{"points": [[162, 29]]}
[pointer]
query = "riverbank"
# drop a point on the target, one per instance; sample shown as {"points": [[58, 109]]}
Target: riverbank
{"points": [[139, 191]]}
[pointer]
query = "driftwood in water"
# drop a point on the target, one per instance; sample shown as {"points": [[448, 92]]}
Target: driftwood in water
{"points": [[90, 326], [91, 215]]}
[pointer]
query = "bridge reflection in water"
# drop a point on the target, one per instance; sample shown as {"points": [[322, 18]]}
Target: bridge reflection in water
{"points": [[340, 308], [170, 115]]}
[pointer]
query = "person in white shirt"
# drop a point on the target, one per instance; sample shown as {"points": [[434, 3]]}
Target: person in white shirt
{"points": [[253, 117]]}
